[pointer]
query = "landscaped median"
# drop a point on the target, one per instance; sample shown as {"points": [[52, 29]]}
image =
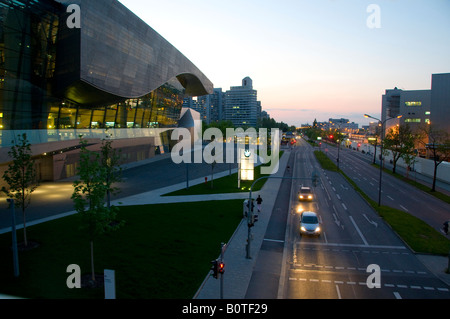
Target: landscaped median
{"points": [[421, 237], [162, 251]]}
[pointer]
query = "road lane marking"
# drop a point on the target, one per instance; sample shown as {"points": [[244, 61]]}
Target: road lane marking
{"points": [[274, 240], [338, 292], [404, 208], [397, 295], [370, 221], [359, 231], [352, 283], [350, 245]]}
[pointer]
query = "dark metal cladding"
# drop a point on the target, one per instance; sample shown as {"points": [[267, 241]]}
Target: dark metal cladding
{"points": [[116, 55]]}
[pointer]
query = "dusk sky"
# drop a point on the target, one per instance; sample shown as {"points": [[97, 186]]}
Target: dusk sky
{"points": [[309, 59]]}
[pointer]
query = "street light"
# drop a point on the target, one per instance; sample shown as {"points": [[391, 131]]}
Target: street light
{"points": [[381, 149]]}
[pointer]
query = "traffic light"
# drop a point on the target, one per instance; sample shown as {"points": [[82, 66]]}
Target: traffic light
{"points": [[214, 268], [221, 267]]}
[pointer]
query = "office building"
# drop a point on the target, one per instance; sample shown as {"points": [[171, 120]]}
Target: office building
{"points": [[419, 107], [413, 105], [440, 101], [241, 105]]}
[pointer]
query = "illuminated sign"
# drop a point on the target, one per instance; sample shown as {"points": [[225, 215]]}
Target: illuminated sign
{"points": [[247, 165]]}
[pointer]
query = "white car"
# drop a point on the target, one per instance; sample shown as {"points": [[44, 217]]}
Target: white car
{"points": [[309, 224]]}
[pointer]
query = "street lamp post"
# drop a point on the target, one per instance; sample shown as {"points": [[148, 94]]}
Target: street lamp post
{"points": [[381, 150]]}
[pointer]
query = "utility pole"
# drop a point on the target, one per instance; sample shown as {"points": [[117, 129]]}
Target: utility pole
{"points": [[222, 267]]}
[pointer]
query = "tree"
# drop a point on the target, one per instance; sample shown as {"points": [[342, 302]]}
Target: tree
{"points": [[89, 197], [110, 160], [400, 141], [21, 177], [438, 143], [374, 141]]}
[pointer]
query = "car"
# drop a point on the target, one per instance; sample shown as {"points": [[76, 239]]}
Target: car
{"points": [[309, 224], [305, 193]]}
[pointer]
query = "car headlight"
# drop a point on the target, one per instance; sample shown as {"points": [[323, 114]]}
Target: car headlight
{"points": [[301, 196], [310, 197], [317, 229], [302, 228]]}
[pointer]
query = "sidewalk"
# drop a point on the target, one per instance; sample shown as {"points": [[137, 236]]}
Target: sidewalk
{"points": [[239, 269]]}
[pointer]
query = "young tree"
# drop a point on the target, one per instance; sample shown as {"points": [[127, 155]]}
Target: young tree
{"points": [[21, 177], [400, 141], [110, 160], [438, 143], [89, 198]]}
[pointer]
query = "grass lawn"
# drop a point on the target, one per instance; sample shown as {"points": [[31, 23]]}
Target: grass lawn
{"points": [[162, 251], [421, 237], [226, 184]]}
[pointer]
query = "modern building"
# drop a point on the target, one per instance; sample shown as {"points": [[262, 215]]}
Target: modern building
{"points": [[84, 67], [419, 107], [209, 106], [413, 105], [440, 101], [241, 105]]}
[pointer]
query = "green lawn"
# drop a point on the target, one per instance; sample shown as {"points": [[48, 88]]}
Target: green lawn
{"points": [[226, 184], [162, 251]]}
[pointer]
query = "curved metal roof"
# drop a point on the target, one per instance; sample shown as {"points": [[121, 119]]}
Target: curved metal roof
{"points": [[116, 55]]}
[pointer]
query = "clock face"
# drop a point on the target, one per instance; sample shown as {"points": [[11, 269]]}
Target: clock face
{"points": [[247, 153]]}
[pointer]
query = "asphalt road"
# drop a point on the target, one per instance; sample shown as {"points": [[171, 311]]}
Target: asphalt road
{"points": [[52, 198], [335, 265], [394, 192]]}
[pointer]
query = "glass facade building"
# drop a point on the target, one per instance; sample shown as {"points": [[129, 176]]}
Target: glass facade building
{"points": [[85, 69]]}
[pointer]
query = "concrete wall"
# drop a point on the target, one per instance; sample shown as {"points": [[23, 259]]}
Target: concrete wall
{"points": [[423, 166]]}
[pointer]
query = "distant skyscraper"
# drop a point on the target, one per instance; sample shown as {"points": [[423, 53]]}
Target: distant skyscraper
{"points": [[209, 106], [241, 105]]}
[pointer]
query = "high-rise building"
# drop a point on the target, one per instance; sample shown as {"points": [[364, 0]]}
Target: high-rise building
{"points": [[241, 105], [209, 106]]}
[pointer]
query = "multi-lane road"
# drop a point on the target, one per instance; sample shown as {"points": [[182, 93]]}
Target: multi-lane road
{"points": [[394, 192], [357, 256]]}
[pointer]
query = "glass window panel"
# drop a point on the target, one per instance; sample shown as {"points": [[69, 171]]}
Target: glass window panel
{"points": [[110, 119], [84, 118], [98, 118], [67, 118]]}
